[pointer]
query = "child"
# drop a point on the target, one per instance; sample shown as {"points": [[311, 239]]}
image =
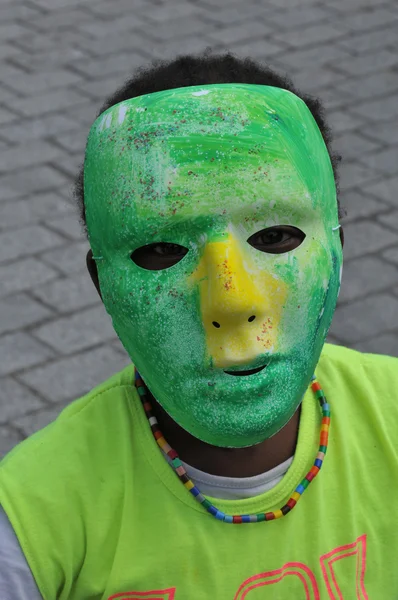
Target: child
{"points": [[209, 196]]}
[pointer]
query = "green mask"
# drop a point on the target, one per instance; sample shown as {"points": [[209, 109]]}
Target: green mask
{"points": [[228, 193]]}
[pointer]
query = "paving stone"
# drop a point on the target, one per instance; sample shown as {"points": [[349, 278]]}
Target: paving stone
{"points": [[391, 255], [361, 20], [39, 419], [362, 65], [366, 318], [312, 81], [296, 18], [382, 132], [385, 161], [28, 154], [60, 19], [300, 37], [236, 34], [68, 226], [364, 276], [37, 179], [28, 240], [20, 351], [69, 259], [51, 58], [371, 86], [12, 31], [14, 10], [382, 109], [344, 121], [35, 83], [130, 22], [359, 205], [314, 58], [19, 310], [116, 7], [8, 439], [74, 140], [16, 400], [353, 174], [68, 294], [390, 220], [228, 15], [42, 127], [172, 48], [50, 102], [366, 42], [259, 48], [386, 190], [98, 89], [6, 116], [382, 344], [365, 237], [352, 145], [125, 63], [72, 377], [24, 275], [19, 213], [77, 332]]}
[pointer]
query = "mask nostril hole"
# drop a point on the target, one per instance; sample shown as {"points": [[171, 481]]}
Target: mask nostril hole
{"points": [[250, 319], [217, 325]]}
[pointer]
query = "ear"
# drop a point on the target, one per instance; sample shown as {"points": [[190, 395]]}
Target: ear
{"points": [[342, 237], [92, 269]]}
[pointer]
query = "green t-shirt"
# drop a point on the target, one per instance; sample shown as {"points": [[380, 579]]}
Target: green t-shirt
{"points": [[100, 514]]}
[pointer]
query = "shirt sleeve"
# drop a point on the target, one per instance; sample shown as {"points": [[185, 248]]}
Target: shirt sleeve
{"points": [[16, 579]]}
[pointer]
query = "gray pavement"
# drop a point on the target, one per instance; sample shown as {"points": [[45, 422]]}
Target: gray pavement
{"points": [[60, 58]]}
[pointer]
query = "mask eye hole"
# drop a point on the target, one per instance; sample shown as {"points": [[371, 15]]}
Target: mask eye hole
{"points": [[158, 256], [277, 240]]}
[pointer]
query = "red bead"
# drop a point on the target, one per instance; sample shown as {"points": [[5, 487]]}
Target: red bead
{"points": [[237, 519], [291, 503], [269, 516], [316, 387]]}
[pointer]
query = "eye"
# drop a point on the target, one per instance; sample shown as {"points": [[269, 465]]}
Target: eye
{"points": [[277, 240], [157, 256]]}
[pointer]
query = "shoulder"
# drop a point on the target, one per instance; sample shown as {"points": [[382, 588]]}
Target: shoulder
{"points": [[358, 368], [364, 387], [103, 404], [84, 434]]}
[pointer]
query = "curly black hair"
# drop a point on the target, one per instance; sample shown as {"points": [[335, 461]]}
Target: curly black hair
{"points": [[205, 69]]}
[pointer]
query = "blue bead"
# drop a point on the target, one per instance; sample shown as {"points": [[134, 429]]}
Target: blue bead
{"points": [[299, 489], [212, 509], [220, 515], [245, 518], [326, 406], [313, 378], [318, 462], [228, 519], [195, 491]]}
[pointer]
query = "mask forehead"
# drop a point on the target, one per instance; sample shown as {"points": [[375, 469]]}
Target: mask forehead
{"points": [[189, 151]]}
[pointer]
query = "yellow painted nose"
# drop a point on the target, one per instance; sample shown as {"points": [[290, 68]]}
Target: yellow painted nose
{"points": [[241, 305]]}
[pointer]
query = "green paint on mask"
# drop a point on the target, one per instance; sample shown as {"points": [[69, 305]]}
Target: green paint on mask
{"points": [[206, 168]]}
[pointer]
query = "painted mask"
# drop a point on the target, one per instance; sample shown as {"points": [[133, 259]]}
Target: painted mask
{"points": [[212, 215]]}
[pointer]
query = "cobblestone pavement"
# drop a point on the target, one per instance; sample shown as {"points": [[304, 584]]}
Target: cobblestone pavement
{"points": [[60, 58]]}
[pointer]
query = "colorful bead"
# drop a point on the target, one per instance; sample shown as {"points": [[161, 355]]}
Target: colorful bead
{"points": [[196, 493]]}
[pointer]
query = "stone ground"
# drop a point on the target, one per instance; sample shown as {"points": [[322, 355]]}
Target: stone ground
{"points": [[60, 58]]}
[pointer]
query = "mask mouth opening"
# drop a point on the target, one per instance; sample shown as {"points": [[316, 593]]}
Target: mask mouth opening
{"points": [[245, 373]]}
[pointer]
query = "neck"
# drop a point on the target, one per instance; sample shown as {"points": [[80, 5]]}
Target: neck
{"points": [[229, 462]]}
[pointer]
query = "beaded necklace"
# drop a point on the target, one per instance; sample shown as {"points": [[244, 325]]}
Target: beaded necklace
{"points": [[189, 485]]}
